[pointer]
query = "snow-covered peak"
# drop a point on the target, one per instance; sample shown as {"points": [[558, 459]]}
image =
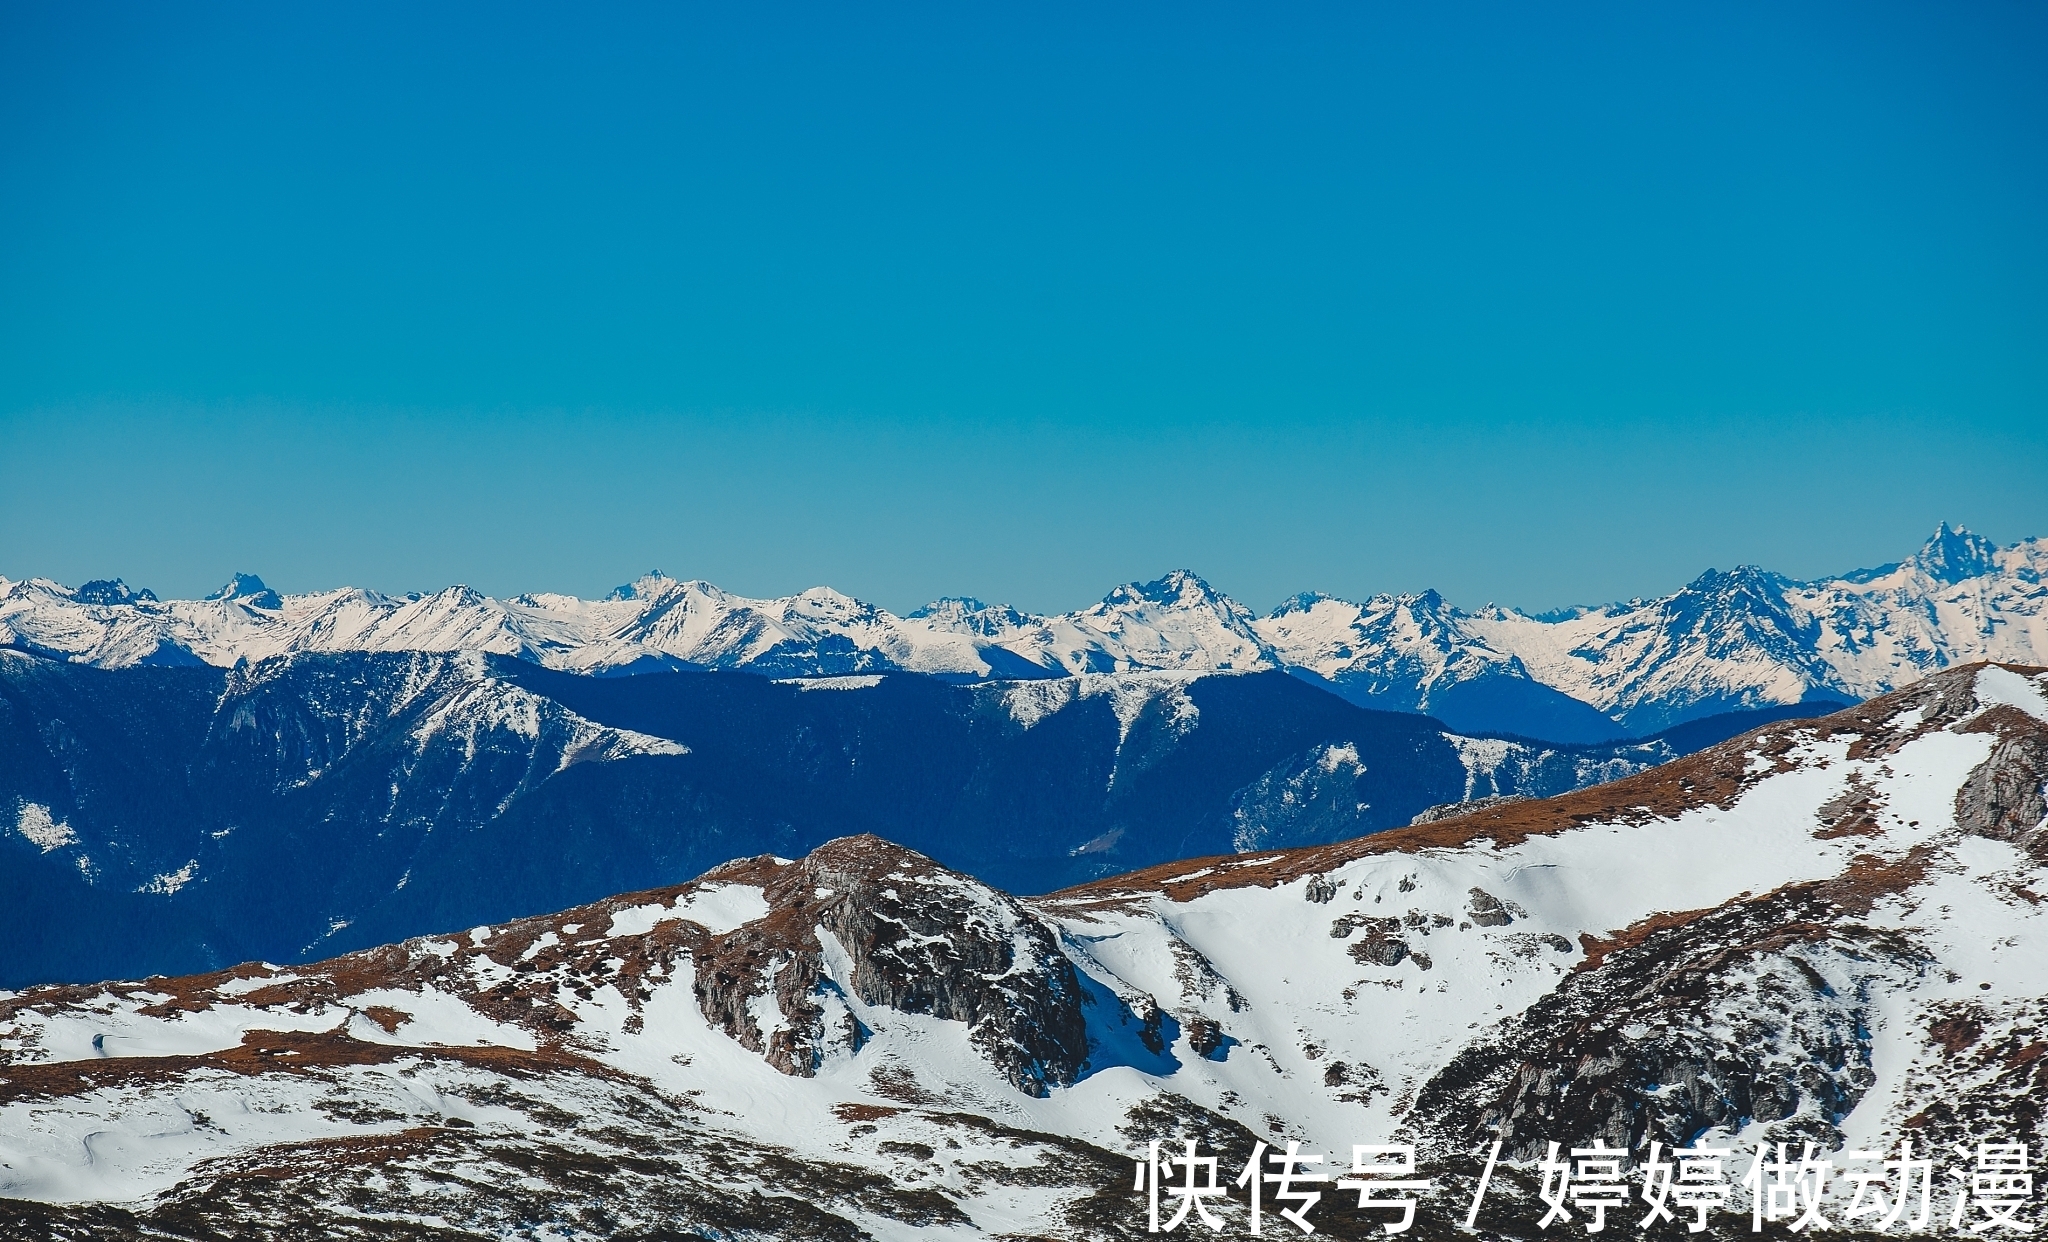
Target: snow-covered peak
{"points": [[1749, 638], [1743, 580], [1180, 588], [1177, 622], [1304, 601], [1954, 554], [250, 590], [1391, 650], [962, 614], [950, 607], [823, 604], [111, 591], [650, 585]]}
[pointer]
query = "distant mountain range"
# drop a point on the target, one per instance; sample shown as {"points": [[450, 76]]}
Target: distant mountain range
{"points": [[1739, 640]]}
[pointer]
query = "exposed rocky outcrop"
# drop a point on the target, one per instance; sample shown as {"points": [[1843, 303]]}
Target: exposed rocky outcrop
{"points": [[1486, 910], [1381, 945], [2005, 798], [1757, 1010], [1991, 1075], [904, 933]]}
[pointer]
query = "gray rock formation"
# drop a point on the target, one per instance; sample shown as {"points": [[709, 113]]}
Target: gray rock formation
{"points": [[916, 938]]}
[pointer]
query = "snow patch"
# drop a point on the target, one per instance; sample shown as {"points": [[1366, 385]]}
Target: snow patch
{"points": [[1129, 694], [435, 1017], [1341, 755], [857, 681], [1029, 702], [254, 983], [717, 908], [2002, 685], [44, 833], [171, 881], [1482, 757]]}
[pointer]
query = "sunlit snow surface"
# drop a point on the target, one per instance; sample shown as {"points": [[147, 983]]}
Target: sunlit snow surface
{"points": [[718, 908], [1276, 949], [1257, 959]]}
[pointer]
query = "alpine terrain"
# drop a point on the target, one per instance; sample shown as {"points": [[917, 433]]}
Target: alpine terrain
{"points": [[1828, 932], [1741, 640]]}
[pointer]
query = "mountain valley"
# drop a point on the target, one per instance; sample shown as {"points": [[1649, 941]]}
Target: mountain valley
{"points": [[163, 820]]}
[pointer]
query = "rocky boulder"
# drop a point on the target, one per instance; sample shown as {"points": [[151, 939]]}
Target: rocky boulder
{"points": [[862, 919]]}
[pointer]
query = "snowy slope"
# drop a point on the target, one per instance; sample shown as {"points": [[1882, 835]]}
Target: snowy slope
{"points": [[1826, 931]]}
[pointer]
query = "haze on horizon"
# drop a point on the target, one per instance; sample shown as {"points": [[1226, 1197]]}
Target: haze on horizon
{"points": [[1536, 308]]}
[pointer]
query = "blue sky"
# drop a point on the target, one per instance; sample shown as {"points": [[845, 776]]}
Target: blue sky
{"points": [[1536, 304]]}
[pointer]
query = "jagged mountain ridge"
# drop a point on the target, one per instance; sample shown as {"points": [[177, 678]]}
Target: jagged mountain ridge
{"points": [[1826, 931], [172, 819], [1735, 640]]}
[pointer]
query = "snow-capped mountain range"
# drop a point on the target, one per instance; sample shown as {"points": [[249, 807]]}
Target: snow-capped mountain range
{"points": [[1827, 933], [1728, 641]]}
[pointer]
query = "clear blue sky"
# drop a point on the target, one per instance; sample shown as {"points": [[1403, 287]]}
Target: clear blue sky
{"points": [[1530, 303]]}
